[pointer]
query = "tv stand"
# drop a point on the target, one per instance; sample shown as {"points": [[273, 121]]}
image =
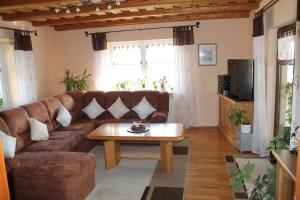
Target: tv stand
{"points": [[225, 126]]}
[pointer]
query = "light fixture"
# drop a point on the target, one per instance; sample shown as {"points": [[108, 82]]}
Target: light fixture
{"points": [[57, 10], [77, 6], [97, 8]]}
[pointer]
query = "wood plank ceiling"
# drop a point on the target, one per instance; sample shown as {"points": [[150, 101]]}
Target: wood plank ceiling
{"points": [[42, 12]]}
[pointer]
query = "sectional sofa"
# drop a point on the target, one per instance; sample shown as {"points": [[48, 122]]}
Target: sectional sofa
{"points": [[60, 168]]}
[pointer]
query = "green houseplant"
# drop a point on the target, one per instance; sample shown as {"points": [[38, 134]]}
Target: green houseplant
{"points": [[141, 82], [76, 83], [277, 143], [238, 118], [163, 83]]}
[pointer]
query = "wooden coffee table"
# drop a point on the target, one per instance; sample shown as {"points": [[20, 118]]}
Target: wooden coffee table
{"points": [[112, 133]]}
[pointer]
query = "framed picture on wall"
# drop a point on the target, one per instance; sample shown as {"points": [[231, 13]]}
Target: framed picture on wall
{"points": [[207, 54]]}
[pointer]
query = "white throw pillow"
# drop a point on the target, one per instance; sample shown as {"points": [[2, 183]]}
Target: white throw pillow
{"points": [[118, 109], [93, 110], [38, 130], [144, 108], [8, 144], [64, 117]]}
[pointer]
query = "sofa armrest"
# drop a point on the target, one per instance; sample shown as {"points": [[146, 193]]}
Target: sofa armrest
{"points": [[159, 117]]}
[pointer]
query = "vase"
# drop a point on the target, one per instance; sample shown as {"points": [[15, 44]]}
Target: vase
{"points": [[246, 128]]}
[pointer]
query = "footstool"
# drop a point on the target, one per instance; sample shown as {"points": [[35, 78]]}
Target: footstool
{"points": [[53, 175]]}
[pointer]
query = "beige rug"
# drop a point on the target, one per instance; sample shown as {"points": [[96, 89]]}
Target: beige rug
{"points": [[140, 179]]}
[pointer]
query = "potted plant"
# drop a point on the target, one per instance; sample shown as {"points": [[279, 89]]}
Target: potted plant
{"points": [[163, 83], [245, 125], [77, 83], [239, 119], [277, 143], [154, 83], [142, 82]]}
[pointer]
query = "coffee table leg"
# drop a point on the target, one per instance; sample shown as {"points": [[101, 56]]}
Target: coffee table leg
{"points": [[111, 154], [166, 154]]}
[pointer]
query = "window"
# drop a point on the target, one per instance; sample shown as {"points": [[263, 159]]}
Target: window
{"points": [[285, 82], [140, 64]]}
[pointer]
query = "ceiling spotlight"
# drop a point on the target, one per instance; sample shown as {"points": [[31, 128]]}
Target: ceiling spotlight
{"points": [[57, 10], [118, 2], [68, 11], [77, 9], [109, 7], [97, 8]]}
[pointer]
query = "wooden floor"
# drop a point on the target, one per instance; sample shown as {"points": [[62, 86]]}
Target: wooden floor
{"points": [[206, 172]]}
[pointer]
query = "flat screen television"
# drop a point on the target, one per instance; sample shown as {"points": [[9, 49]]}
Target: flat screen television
{"points": [[241, 79]]}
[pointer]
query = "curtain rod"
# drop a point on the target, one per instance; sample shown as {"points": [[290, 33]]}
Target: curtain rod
{"points": [[266, 7], [14, 29], [141, 29]]}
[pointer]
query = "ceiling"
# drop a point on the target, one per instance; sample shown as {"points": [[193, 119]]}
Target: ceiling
{"points": [[42, 12]]}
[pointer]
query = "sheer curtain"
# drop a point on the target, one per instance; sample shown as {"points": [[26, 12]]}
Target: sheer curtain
{"points": [[25, 68], [259, 136], [185, 81]]}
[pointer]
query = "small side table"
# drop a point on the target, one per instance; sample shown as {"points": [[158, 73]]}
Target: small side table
{"points": [[244, 141]]}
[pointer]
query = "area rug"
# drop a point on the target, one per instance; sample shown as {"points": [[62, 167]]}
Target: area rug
{"points": [[234, 162], [141, 179]]}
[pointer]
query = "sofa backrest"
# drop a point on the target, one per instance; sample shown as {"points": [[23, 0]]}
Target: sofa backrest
{"points": [[39, 112], [16, 120], [52, 104], [69, 103]]}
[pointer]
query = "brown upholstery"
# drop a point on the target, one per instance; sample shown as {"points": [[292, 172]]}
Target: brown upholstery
{"points": [[56, 175], [53, 105], [39, 112], [47, 169], [67, 144], [16, 120]]}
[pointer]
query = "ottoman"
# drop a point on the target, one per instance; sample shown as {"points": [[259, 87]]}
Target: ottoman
{"points": [[53, 175]]}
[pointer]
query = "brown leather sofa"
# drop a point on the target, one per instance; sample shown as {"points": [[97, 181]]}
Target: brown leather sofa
{"points": [[59, 168]]}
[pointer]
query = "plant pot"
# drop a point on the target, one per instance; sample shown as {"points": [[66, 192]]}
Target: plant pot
{"points": [[272, 158], [246, 128], [163, 89]]}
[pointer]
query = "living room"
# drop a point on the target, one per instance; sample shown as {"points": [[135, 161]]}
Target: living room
{"points": [[89, 75]]}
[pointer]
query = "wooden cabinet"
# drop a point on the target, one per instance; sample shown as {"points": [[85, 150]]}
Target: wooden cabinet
{"points": [[225, 105], [4, 191]]}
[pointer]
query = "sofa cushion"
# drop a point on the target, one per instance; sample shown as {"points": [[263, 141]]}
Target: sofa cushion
{"points": [[39, 112], [52, 104], [93, 109], [81, 125], [53, 175], [113, 120], [151, 96], [64, 117], [38, 130], [111, 97], [8, 145], [16, 120], [143, 108], [118, 109], [57, 135], [69, 103], [67, 144]]}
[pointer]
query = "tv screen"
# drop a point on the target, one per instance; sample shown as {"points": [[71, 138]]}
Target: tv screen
{"points": [[241, 79]]}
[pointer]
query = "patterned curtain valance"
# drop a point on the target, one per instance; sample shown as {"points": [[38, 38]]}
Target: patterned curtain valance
{"points": [[183, 35], [286, 31], [258, 25], [22, 40], [99, 41]]}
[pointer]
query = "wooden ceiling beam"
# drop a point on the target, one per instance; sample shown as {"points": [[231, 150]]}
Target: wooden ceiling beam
{"points": [[129, 4], [158, 12], [17, 4], [191, 17]]}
